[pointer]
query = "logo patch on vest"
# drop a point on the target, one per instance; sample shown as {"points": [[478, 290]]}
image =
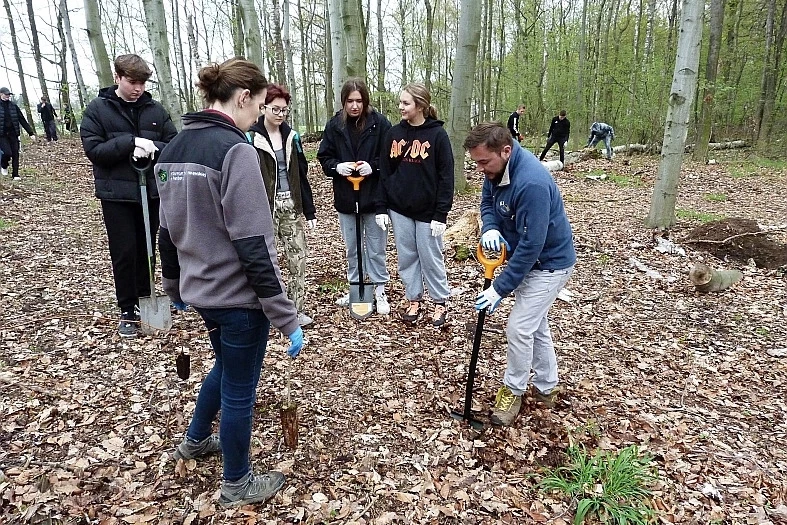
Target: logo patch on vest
{"points": [[162, 175]]}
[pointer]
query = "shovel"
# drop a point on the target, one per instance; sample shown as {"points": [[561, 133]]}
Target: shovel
{"points": [[489, 272], [154, 310], [361, 293]]}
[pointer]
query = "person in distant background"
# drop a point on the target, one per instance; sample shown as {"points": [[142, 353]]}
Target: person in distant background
{"points": [[513, 123], [601, 131], [559, 130], [47, 112], [10, 119], [69, 120]]}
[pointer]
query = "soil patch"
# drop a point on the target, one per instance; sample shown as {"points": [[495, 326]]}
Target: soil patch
{"points": [[741, 240]]}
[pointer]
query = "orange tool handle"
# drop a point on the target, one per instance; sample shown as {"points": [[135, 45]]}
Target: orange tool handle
{"points": [[490, 264], [356, 181]]}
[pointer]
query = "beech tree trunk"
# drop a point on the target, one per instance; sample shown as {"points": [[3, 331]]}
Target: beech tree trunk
{"points": [[338, 52], [705, 124], [156, 23], [252, 37], [31, 15], [97, 45], [354, 38], [17, 57], [458, 123], [81, 89], [684, 85], [287, 43]]}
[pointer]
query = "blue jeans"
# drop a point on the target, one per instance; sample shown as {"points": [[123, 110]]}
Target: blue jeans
{"points": [[239, 337], [607, 142]]}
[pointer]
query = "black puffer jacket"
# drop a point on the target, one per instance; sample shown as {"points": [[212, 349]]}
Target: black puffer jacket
{"points": [[16, 118], [336, 147], [109, 126]]}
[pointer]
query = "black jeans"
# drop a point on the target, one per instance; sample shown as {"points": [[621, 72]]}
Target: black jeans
{"points": [[10, 147], [50, 128], [551, 142], [127, 248]]}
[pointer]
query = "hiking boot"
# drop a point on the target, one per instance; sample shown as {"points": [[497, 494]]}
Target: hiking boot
{"points": [[439, 315], [412, 313], [548, 400], [129, 324], [381, 300], [507, 407], [250, 489], [343, 301], [190, 449], [304, 319]]}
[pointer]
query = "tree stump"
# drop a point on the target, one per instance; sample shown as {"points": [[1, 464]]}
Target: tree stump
{"points": [[706, 279]]}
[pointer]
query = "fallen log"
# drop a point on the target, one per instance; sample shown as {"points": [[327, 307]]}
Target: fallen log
{"points": [[706, 279]]}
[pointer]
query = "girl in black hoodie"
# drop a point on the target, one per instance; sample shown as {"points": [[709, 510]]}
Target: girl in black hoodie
{"points": [[417, 176]]}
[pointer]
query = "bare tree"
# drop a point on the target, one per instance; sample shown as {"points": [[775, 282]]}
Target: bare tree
{"points": [[462, 87], [156, 23], [684, 85], [338, 56], [251, 32], [287, 44], [354, 37], [18, 58], [81, 89], [709, 91], [380, 49], [97, 45], [37, 50]]}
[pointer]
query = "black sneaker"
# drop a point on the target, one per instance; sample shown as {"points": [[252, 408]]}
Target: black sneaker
{"points": [[250, 489], [129, 324]]}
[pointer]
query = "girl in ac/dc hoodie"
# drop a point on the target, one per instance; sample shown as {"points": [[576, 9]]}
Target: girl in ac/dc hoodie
{"points": [[417, 175]]}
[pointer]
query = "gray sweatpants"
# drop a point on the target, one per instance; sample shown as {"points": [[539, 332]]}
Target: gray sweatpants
{"points": [[420, 259], [529, 338], [373, 242]]}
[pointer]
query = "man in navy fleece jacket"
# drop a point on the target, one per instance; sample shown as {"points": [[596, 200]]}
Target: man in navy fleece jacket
{"points": [[521, 207]]}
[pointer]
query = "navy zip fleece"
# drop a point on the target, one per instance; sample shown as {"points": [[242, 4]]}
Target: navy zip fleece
{"points": [[526, 207], [217, 242], [417, 172]]}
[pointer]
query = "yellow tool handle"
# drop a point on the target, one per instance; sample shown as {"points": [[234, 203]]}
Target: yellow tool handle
{"points": [[356, 181], [490, 264]]}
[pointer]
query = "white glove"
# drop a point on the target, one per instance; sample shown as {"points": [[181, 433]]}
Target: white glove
{"points": [[438, 228], [491, 241], [147, 145], [363, 168], [345, 169], [488, 298], [382, 221], [139, 153], [312, 223]]}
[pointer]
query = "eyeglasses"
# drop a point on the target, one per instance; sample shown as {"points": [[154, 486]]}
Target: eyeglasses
{"points": [[278, 111]]}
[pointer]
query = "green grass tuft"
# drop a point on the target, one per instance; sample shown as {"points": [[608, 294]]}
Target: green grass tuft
{"points": [[715, 197], [612, 487], [702, 217], [333, 286], [5, 224]]}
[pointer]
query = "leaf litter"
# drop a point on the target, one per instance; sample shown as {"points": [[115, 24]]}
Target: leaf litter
{"points": [[89, 421]]}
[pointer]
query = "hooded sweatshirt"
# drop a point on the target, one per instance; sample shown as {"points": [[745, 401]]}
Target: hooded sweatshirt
{"points": [[216, 241], [417, 172]]}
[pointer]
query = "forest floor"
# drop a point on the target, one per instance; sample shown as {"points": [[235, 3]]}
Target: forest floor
{"points": [[88, 421]]}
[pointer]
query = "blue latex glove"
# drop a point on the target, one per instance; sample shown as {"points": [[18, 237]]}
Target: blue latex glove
{"points": [[488, 298], [491, 241], [180, 306], [296, 338]]}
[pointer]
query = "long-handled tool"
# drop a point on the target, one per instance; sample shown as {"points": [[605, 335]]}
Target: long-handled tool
{"points": [[288, 415], [154, 310], [489, 272], [361, 293]]}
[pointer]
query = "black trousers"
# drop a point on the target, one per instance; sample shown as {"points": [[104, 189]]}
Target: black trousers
{"points": [[127, 248], [10, 147], [50, 128], [551, 142]]}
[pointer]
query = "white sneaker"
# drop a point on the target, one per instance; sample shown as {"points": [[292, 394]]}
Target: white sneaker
{"points": [[4, 171], [343, 301], [17, 178], [383, 308], [304, 319]]}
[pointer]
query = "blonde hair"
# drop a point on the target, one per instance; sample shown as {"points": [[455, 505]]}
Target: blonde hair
{"points": [[422, 98]]}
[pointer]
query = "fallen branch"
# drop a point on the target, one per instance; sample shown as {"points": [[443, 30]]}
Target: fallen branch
{"points": [[728, 239], [706, 279]]}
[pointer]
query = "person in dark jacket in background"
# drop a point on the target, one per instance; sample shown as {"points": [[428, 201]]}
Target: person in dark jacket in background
{"points": [[513, 123], [417, 175], [218, 254], [47, 112], [284, 169], [559, 130], [351, 145], [11, 118], [69, 119], [123, 122]]}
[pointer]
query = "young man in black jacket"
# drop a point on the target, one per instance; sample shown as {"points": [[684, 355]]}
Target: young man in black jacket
{"points": [[559, 130], [124, 122], [48, 115], [11, 118], [513, 123]]}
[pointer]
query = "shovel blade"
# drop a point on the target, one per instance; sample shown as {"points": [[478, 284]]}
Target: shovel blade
{"points": [[361, 300], [154, 314]]}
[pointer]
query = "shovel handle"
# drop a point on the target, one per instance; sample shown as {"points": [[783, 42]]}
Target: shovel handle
{"points": [[356, 182], [490, 264]]}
